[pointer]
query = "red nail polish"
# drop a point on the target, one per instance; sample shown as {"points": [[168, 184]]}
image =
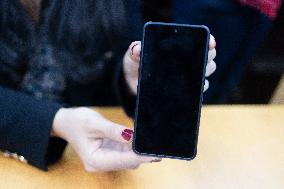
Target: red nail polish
{"points": [[126, 136], [129, 131]]}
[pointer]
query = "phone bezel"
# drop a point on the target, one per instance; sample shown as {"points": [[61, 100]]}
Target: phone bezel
{"points": [[202, 88]]}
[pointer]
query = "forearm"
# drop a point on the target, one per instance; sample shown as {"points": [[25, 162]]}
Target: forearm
{"points": [[25, 128]]}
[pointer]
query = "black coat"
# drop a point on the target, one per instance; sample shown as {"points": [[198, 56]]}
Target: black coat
{"points": [[26, 120]]}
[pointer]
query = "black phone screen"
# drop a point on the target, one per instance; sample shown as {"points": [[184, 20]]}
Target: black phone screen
{"points": [[170, 90]]}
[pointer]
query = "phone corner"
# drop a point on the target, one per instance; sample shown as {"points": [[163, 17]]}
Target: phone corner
{"points": [[147, 24], [194, 154], [135, 150], [192, 157], [205, 28]]}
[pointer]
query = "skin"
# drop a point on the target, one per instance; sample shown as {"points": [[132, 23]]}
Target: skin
{"points": [[132, 59], [103, 145]]}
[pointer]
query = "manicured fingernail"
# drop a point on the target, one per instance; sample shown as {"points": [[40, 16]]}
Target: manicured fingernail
{"points": [[132, 48], [129, 131], [156, 160], [127, 134]]}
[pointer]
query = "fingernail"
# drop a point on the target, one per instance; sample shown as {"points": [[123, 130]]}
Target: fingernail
{"points": [[132, 51], [129, 131], [156, 160], [127, 134], [132, 48]]}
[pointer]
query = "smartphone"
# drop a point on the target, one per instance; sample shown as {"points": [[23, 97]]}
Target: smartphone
{"points": [[170, 87]]}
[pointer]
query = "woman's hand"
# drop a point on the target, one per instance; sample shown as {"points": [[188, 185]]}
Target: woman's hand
{"points": [[132, 58], [101, 144]]}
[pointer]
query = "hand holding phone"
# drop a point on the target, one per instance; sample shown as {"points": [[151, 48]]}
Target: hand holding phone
{"points": [[132, 58], [170, 90]]}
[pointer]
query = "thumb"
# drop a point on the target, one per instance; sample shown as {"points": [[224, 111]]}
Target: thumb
{"points": [[110, 160], [134, 51], [116, 132]]}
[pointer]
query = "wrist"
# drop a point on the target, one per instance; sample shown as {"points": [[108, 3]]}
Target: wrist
{"points": [[59, 121]]}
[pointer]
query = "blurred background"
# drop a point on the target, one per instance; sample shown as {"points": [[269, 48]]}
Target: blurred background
{"points": [[250, 45]]}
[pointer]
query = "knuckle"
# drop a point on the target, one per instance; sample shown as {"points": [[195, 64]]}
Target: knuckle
{"points": [[206, 84], [90, 165], [212, 54], [92, 161], [113, 130], [89, 168], [210, 68], [87, 121], [214, 65], [83, 110], [106, 128]]}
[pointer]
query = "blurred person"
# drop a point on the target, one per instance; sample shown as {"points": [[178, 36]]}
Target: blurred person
{"points": [[239, 27], [80, 53]]}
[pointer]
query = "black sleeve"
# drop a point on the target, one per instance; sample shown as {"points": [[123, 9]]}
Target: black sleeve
{"points": [[25, 126]]}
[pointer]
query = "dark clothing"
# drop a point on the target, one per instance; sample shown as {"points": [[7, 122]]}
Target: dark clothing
{"points": [[67, 61], [25, 126], [238, 31]]}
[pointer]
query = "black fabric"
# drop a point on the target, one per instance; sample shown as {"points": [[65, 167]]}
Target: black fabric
{"points": [[239, 30], [16, 42], [135, 24], [88, 53], [25, 125], [25, 122], [83, 70]]}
